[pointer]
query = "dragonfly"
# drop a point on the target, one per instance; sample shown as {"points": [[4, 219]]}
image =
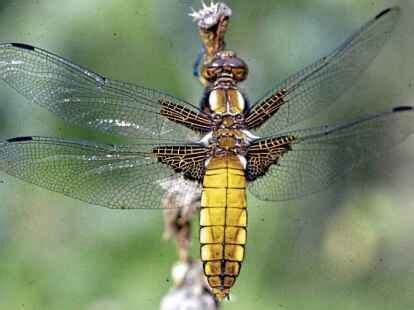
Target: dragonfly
{"points": [[223, 146]]}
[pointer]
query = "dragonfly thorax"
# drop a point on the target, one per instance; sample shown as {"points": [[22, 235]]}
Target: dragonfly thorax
{"points": [[227, 107], [226, 141], [226, 101]]}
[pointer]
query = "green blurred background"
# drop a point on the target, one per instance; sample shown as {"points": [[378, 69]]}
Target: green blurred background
{"points": [[350, 247]]}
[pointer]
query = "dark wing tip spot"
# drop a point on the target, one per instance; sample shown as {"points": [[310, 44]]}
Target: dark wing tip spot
{"points": [[20, 139], [403, 108], [23, 46], [386, 11]]}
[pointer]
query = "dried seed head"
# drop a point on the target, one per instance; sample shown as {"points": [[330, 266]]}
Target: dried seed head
{"points": [[210, 15]]}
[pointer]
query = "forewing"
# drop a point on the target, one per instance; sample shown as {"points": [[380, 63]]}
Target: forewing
{"points": [[124, 177], [87, 99], [319, 156], [319, 85]]}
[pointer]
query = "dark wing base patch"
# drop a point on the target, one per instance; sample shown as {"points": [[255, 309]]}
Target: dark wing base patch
{"points": [[186, 159], [264, 153], [181, 115], [261, 112]]}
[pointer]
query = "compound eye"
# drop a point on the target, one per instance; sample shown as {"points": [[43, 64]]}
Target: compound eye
{"points": [[209, 73], [239, 74]]}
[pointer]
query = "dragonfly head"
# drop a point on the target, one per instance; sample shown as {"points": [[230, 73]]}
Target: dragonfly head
{"points": [[225, 67]]}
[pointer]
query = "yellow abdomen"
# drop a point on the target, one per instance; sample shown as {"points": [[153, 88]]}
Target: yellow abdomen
{"points": [[223, 222]]}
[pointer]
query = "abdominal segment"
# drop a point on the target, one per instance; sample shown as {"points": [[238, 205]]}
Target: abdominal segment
{"points": [[223, 222]]}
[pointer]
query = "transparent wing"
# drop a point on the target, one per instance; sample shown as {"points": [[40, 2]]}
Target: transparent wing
{"points": [[125, 177], [319, 156], [87, 99], [313, 89]]}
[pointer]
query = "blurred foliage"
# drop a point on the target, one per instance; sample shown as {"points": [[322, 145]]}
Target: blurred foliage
{"points": [[346, 248]]}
